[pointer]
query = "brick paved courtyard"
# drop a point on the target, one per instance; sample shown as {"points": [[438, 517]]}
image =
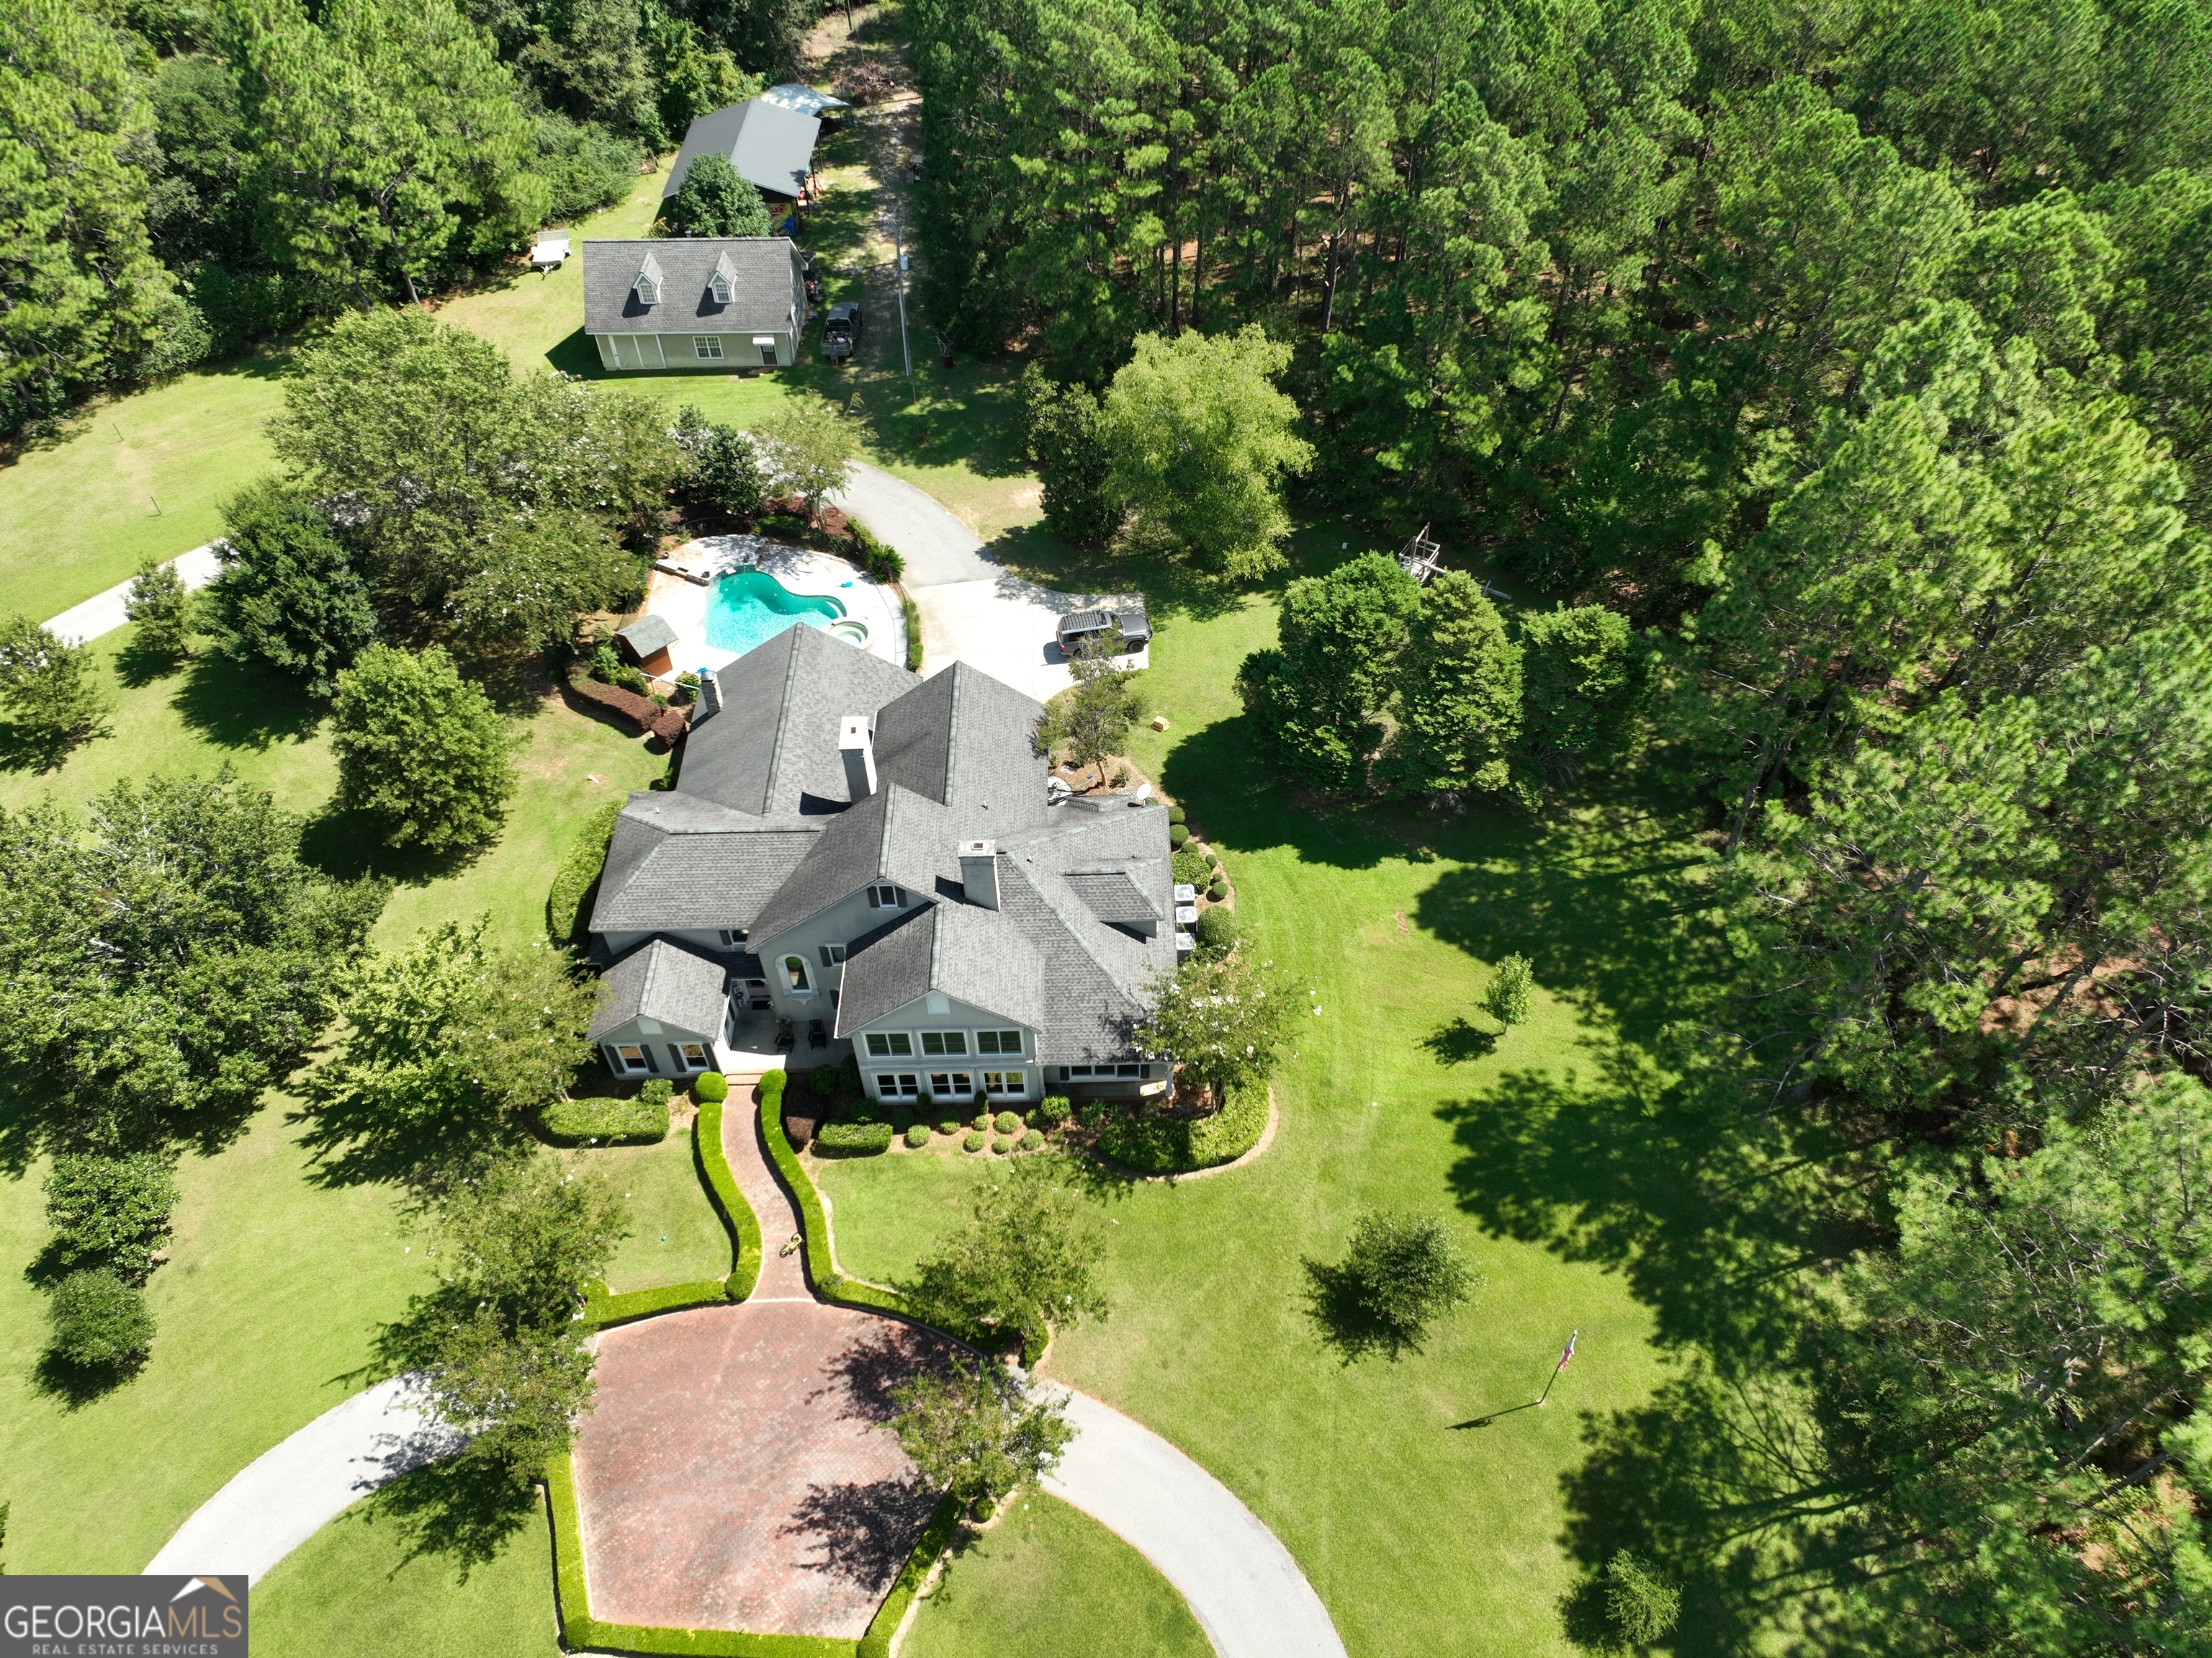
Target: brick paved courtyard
{"points": [[737, 1474]]}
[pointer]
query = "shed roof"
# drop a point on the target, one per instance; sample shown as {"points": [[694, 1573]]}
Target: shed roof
{"points": [[647, 635], [763, 291], [663, 981], [790, 94], [771, 145]]}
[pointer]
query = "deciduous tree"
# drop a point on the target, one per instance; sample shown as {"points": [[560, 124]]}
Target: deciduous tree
{"points": [[1458, 693], [1224, 1018], [1023, 1265], [808, 444], [287, 593], [1317, 697], [975, 1434], [421, 752], [1198, 442], [715, 200]]}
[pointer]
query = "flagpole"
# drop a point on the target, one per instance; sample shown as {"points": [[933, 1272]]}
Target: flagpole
{"points": [[1556, 1368]]}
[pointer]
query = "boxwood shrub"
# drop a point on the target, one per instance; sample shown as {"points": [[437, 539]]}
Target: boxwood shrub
{"points": [[1177, 832], [853, 1139], [982, 1123], [822, 1081], [1217, 929], [950, 1126], [974, 1142], [639, 1122], [902, 1118], [1008, 1121], [1002, 1145], [1167, 1145], [1053, 1109], [657, 1091], [1176, 814], [710, 1087], [1032, 1140], [918, 1135]]}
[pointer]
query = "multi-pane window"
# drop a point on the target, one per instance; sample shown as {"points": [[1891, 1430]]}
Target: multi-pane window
{"points": [[890, 1087], [691, 1056], [629, 1055], [1077, 1073], [945, 1041], [950, 1084], [997, 1041], [707, 347], [832, 954], [1005, 1081], [889, 1045], [886, 897]]}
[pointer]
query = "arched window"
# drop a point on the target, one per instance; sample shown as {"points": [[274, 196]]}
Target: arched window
{"points": [[794, 969]]}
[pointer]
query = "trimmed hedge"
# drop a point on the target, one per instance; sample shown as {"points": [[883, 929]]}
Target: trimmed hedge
{"points": [[611, 1122], [918, 1135], [1177, 833], [859, 1139], [1007, 1121], [1002, 1145], [647, 716], [581, 1630], [1167, 1145], [602, 1310], [710, 1088], [974, 1142], [1033, 1141], [569, 904], [745, 1244]]}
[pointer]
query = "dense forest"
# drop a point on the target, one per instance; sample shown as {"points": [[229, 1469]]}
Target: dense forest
{"points": [[178, 179], [1841, 370]]}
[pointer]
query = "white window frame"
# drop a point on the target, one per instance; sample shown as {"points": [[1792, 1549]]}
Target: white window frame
{"points": [[707, 348], [897, 1085], [897, 1044], [795, 979], [766, 345], [681, 1053], [833, 955], [882, 895], [945, 1050], [718, 286], [619, 1062], [994, 1041], [1009, 1084], [955, 1084], [648, 290]]}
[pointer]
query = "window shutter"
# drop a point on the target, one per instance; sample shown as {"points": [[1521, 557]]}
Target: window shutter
{"points": [[825, 957]]}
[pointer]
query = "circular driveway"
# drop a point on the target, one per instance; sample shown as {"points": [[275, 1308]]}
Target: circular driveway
{"points": [[738, 1474]]}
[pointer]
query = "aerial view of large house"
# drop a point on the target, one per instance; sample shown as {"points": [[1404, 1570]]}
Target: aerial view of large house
{"points": [[695, 302], [855, 859]]}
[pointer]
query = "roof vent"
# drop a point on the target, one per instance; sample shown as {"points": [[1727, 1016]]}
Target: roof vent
{"points": [[856, 747], [979, 872]]}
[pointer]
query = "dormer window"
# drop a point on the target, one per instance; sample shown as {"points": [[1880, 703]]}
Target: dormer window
{"points": [[720, 288], [647, 285], [723, 283]]}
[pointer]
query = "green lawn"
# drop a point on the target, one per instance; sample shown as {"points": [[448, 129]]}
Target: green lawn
{"points": [[265, 1307], [1431, 1516], [676, 1235], [352, 1591], [1049, 1582]]}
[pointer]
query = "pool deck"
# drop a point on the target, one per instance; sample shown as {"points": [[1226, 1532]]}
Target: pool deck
{"points": [[682, 603]]}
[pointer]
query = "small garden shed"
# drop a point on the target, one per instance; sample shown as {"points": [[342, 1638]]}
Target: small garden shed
{"points": [[645, 644]]}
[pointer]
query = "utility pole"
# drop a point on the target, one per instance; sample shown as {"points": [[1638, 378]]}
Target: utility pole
{"points": [[898, 246]]}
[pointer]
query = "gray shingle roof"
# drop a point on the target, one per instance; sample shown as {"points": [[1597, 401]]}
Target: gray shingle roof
{"points": [[1115, 898], [664, 981], [691, 881], [763, 294], [770, 145], [773, 750], [895, 835], [975, 954], [966, 741]]}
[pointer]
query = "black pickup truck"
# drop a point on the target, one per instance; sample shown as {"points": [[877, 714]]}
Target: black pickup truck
{"points": [[840, 332]]}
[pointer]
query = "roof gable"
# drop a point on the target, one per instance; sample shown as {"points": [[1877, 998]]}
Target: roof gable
{"points": [[678, 988], [762, 271]]}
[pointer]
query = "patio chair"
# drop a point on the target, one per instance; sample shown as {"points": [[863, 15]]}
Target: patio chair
{"points": [[815, 1036]]}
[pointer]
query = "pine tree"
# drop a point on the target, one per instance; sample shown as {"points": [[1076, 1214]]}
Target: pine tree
{"points": [[1458, 693], [1317, 698]]}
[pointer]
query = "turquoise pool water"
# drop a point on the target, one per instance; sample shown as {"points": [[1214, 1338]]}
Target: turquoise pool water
{"points": [[750, 607]]}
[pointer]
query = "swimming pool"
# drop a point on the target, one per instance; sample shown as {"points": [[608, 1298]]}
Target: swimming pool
{"points": [[750, 607]]}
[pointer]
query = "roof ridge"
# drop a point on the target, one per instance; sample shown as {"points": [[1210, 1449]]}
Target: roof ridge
{"points": [[883, 839], [936, 943], [1068, 927], [783, 718], [951, 736]]}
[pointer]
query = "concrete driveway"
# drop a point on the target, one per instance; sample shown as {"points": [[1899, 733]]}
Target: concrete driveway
{"points": [[974, 610]]}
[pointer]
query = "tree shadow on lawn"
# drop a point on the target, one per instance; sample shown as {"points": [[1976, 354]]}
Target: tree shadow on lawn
{"points": [[462, 1510], [234, 705], [1717, 1219], [73, 1386], [864, 1532], [1457, 1043]]}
